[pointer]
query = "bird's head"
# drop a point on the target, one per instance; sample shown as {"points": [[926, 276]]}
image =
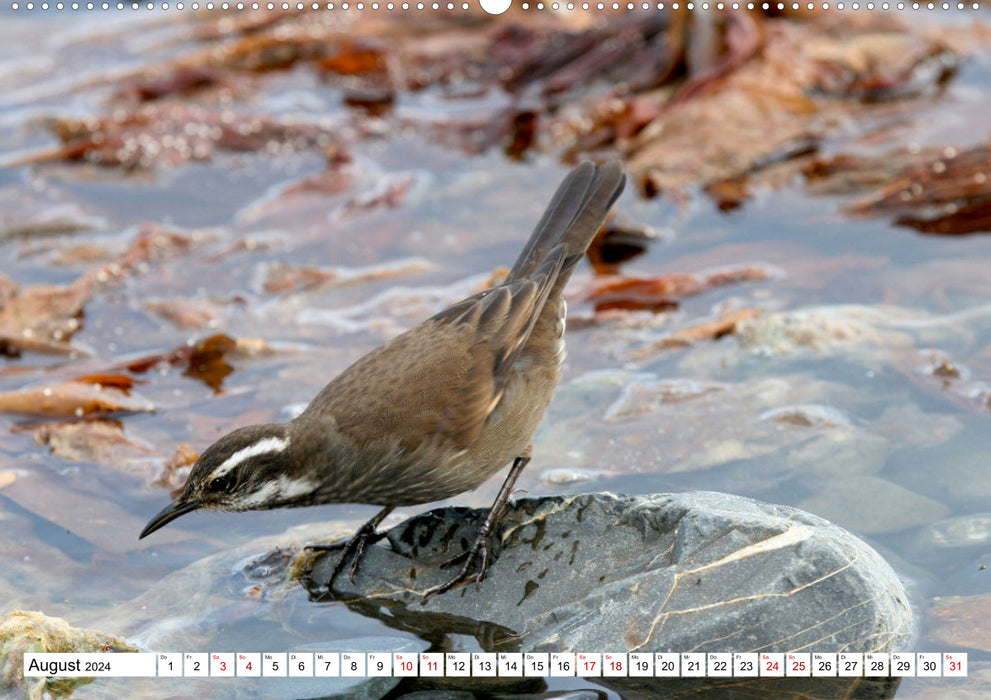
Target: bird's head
{"points": [[247, 469]]}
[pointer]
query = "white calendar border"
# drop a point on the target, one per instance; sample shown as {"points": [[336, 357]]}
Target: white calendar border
{"points": [[501, 664]]}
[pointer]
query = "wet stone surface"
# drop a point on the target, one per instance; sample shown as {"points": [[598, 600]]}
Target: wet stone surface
{"points": [[697, 571]]}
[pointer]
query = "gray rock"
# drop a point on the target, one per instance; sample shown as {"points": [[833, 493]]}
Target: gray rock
{"points": [[874, 505], [972, 530], [750, 688], [601, 572]]}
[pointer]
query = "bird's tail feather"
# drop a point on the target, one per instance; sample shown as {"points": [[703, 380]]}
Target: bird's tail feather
{"points": [[572, 218]]}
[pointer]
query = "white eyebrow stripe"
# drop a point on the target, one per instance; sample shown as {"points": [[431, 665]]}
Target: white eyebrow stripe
{"points": [[281, 489], [263, 446]]}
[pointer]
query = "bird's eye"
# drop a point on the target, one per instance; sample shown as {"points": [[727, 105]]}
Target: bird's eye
{"points": [[221, 483]]}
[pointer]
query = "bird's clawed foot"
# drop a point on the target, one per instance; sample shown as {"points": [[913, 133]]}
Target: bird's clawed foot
{"points": [[355, 547], [480, 552]]}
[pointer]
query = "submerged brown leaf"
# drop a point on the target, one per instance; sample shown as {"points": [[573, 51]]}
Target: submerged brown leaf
{"points": [[98, 440], [205, 360], [8, 289], [184, 313], [41, 318], [37, 208], [550, 61], [970, 218], [80, 254], [282, 277], [356, 195], [618, 241], [662, 293], [338, 176], [117, 381], [654, 85], [71, 398], [710, 330], [390, 193], [779, 102], [265, 52], [181, 81], [175, 471], [949, 193], [367, 57], [152, 243], [729, 194], [851, 174], [522, 133], [743, 38], [876, 66], [166, 133]]}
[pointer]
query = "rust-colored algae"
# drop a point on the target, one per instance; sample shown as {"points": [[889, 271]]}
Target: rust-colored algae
{"points": [[662, 293]]}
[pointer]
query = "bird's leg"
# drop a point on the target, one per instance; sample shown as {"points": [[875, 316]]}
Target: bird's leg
{"points": [[480, 549], [356, 545]]}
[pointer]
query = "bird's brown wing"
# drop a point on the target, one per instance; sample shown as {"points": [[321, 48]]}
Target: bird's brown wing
{"points": [[443, 378]]}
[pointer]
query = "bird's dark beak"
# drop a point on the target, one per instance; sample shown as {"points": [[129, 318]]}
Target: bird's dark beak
{"points": [[168, 514]]}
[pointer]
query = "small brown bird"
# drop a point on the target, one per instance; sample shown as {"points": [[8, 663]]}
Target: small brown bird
{"points": [[432, 413]]}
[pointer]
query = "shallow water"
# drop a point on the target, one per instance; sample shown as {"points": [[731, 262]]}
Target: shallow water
{"points": [[856, 428]]}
